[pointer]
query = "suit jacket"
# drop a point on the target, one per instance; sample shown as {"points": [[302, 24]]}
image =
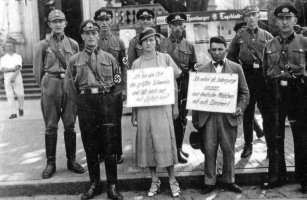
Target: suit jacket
{"points": [[243, 92]]}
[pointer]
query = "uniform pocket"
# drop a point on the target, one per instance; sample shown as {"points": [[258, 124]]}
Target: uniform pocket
{"points": [[115, 51], [299, 56], [105, 69], [272, 56], [184, 56]]}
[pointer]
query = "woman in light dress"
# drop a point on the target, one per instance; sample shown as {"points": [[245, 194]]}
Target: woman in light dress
{"points": [[155, 139]]}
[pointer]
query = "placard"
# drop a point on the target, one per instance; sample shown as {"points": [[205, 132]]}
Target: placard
{"points": [[213, 92], [150, 87]]}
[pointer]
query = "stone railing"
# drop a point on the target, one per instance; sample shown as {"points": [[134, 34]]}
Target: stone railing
{"points": [[125, 17]]}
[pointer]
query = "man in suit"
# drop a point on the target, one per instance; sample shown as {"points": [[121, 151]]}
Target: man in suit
{"points": [[221, 128]]}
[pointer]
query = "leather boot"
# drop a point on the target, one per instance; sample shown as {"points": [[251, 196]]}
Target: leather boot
{"points": [[95, 190], [50, 143], [247, 151], [70, 145], [113, 193], [181, 158]]}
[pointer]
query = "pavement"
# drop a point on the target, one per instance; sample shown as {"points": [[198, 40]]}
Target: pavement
{"points": [[22, 160]]}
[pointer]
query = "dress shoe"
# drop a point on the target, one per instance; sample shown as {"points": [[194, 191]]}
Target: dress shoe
{"points": [[21, 112], [13, 116], [207, 189], [49, 170], [233, 187], [270, 184], [184, 153], [72, 165], [113, 193], [247, 151], [181, 158], [120, 159], [95, 190]]}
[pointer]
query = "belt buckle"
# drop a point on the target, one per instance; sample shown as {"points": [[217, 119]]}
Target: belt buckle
{"points": [[62, 75], [94, 90]]}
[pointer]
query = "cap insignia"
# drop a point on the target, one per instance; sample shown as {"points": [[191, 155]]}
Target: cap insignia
{"points": [[145, 13], [177, 17], [89, 25], [103, 13], [285, 10]]}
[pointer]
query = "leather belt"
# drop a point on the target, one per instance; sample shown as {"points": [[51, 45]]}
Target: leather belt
{"points": [[103, 89], [58, 75]]}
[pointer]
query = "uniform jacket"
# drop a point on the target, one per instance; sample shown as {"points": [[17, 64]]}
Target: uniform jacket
{"points": [[44, 59], [116, 47], [79, 76], [295, 54], [183, 53], [239, 50], [243, 93]]}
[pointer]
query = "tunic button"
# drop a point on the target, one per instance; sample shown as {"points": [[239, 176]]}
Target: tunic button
{"points": [[60, 49], [283, 52], [269, 51], [253, 39], [93, 60]]}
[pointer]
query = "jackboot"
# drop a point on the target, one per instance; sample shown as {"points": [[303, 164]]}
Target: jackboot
{"points": [[70, 145], [95, 190], [50, 145], [247, 151], [113, 193]]}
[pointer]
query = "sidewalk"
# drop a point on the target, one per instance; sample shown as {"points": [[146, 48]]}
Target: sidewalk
{"points": [[22, 159]]}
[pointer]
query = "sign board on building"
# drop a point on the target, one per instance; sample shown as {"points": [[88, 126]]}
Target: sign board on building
{"points": [[218, 15]]}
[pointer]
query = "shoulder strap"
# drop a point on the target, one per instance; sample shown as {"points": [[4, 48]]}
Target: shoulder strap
{"points": [[58, 54]]}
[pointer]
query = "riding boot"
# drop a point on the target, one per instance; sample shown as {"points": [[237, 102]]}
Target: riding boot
{"points": [[70, 145], [50, 143], [111, 173]]}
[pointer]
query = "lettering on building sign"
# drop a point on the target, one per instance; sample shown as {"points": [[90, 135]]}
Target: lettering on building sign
{"points": [[230, 16]]}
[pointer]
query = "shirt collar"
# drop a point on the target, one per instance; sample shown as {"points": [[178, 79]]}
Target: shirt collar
{"points": [[173, 39], [289, 39], [249, 30], [216, 62], [89, 51], [56, 38], [105, 36]]}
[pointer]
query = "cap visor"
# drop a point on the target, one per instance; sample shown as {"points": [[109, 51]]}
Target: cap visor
{"points": [[57, 18], [285, 15]]}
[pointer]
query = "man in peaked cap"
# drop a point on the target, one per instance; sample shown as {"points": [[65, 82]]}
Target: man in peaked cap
{"points": [[183, 53], [115, 46], [246, 49], [49, 65], [284, 67], [89, 82], [146, 19]]}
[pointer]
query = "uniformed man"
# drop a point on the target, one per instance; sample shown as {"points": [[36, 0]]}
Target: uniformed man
{"points": [[183, 53], [246, 48], [238, 28], [90, 80], [115, 46], [49, 65], [284, 66], [146, 19]]}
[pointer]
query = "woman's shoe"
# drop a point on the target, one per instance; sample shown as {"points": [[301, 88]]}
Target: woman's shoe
{"points": [[154, 189], [175, 189]]}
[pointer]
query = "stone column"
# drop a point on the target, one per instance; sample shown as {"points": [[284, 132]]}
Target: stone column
{"points": [[15, 21]]}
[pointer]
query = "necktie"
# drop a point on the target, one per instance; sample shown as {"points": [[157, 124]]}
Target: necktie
{"points": [[219, 63]]}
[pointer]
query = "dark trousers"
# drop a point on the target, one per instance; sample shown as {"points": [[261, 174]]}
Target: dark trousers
{"points": [[257, 89], [181, 122], [98, 124], [288, 101], [119, 112], [56, 105]]}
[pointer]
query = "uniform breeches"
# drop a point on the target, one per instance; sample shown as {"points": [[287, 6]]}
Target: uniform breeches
{"points": [[256, 85], [98, 125], [119, 112], [288, 101], [181, 122], [216, 132], [56, 104]]}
